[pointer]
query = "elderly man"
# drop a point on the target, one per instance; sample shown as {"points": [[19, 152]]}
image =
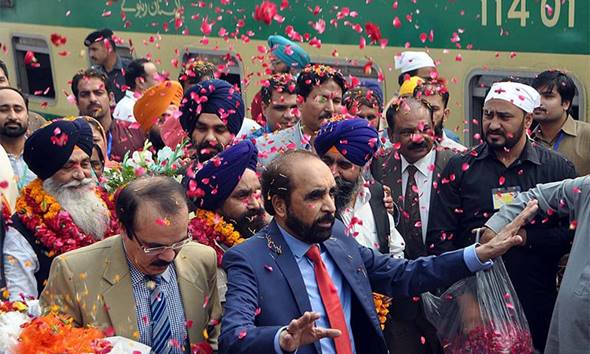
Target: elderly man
{"points": [[226, 195], [476, 184], [212, 115], [151, 283], [303, 261], [14, 122], [61, 211], [346, 146], [569, 332], [320, 88]]}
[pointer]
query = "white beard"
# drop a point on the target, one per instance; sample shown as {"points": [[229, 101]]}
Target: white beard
{"points": [[86, 208]]}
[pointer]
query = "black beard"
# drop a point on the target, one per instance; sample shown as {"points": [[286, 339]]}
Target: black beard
{"points": [[438, 129], [156, 139], [249, 223], [310, 233], [509, 142], [345, 192], [13, 132], [213, 150]]}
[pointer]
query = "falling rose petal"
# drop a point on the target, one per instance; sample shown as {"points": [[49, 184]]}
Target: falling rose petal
{"points": [[206, 301], [422, 340], [242, 334], [4, 184], [64, 53], [501, 180], [423, 37], [188, 324], [265, 12], [206, 26], [573, 224], [362, 43], [268, 268], [258, 311], [58, 40], [163, 222], [30, 58], [396, 22], [106, 14], [459, 57], [465, 166]]}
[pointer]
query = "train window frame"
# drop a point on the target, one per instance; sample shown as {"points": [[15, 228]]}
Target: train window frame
{"points": [[351, 62], [206, 53], [20, 68], [579, 100], [123, 50]]}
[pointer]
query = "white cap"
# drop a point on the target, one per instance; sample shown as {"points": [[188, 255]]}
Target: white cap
{"points": [[408, 61], [522, 96]]}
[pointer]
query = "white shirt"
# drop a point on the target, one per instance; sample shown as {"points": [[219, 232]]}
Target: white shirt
{"points": [[423, 176], [7, 174], [248, 127], [364, 230], [20, 265], [124, 109], [448, 143]]}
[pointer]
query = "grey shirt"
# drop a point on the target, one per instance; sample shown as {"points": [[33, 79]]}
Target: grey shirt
{"points": [[570, 324]]}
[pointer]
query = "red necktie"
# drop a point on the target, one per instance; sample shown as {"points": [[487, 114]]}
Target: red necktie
{"points": [[331, 301]]}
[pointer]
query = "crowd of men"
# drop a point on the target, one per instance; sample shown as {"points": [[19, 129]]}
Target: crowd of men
{"points": [[285, 224]]}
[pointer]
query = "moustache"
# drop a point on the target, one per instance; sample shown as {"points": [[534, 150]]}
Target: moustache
{"points": [[160, 263], [77, 184], [414, 146], [495, 132], [328, 218], [13, 122], [325, 115]]}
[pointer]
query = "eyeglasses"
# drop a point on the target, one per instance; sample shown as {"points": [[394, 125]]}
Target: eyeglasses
{"points": [[161, 249]]}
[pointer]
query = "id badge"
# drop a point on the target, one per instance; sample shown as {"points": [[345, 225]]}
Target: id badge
{"points": [[503, 196]]}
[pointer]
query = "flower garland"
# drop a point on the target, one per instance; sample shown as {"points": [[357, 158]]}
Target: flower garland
{"points": [[5, 210], [382, 303], [210, 229], [55, 333], [53, 226]]}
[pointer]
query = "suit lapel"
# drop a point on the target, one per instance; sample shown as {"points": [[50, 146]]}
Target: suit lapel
{"points": [[118, 298], [288, 266], [187, 287]]}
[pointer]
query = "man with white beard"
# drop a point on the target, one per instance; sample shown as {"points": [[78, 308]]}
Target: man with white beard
{"points": [[60, 211]]}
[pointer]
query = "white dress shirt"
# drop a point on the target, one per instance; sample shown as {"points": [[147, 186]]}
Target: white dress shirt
{"points": [[449, 143], [124, 108], [20, 265], [423, 176], [364, 230]]}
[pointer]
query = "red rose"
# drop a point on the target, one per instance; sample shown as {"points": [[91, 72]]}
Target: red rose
{"points": [[265, 12], [373, 32]]}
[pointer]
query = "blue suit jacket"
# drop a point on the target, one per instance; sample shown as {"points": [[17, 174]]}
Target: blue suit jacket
{"points": [[266, 290]]}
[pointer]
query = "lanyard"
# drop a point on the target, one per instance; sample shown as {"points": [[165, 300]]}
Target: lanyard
{"points": [[109, 143], [558, 141]]}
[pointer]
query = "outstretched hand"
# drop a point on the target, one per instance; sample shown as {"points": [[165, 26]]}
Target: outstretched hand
{"points": [[508, 236], [302, 331]]}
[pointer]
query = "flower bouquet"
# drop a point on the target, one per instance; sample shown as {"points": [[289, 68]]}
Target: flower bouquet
{"points": [[165, 162], [480, 314]]}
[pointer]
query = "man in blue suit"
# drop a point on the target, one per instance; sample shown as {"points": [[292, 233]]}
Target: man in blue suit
{"points": [[302, 284]]}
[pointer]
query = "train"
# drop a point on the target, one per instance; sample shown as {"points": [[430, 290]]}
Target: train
{"points": [[474, 42]]}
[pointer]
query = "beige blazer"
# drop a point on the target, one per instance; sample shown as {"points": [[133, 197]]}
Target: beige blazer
{"points": [[93, 285]]}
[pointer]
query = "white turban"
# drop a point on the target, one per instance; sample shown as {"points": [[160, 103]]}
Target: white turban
{"points": [[522, 96], [408, 61]]}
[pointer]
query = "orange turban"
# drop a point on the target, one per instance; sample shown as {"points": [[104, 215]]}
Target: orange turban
{"points": [[155, 101]]}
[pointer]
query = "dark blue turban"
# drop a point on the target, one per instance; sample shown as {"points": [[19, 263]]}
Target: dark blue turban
{"points": [[219, 176], [354, 138], [213, 96], [374, 86], [48, 149]]}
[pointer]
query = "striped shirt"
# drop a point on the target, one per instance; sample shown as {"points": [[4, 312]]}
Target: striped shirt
{"points": [[169, 287]]}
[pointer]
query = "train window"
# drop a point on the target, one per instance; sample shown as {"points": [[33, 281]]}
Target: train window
{"points": [[362, 69], [124, 51], [33, 67], [479, 82], [229, 67]]}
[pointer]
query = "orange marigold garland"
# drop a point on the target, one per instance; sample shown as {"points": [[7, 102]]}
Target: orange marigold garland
{"points": [[382, 303], [55, 334], [54, 227], [5, 210], [210, 229]]}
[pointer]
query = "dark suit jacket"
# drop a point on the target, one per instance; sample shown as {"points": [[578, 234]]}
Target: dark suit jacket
{"points": [[266, 290], [387, 169]]}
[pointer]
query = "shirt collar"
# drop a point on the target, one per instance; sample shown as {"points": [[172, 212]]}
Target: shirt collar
{"points": [[569, 127], [424, 165], [130, 94], [529, 153], [298, 247]]}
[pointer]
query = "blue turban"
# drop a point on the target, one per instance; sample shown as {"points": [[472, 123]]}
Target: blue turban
{"points": [[298, 58], [48, 149], [220, 175], [213, 96], [354, 138]]}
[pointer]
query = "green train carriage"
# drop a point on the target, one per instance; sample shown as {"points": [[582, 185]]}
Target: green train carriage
{"points": [[474, 42]]}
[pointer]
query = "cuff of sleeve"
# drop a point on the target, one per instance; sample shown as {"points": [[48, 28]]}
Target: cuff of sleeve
{"points": [[472, 261], [277, 345], [496, 223]]}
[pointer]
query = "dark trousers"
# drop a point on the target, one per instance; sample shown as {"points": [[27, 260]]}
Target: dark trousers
{"points": [[404, 336]]}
